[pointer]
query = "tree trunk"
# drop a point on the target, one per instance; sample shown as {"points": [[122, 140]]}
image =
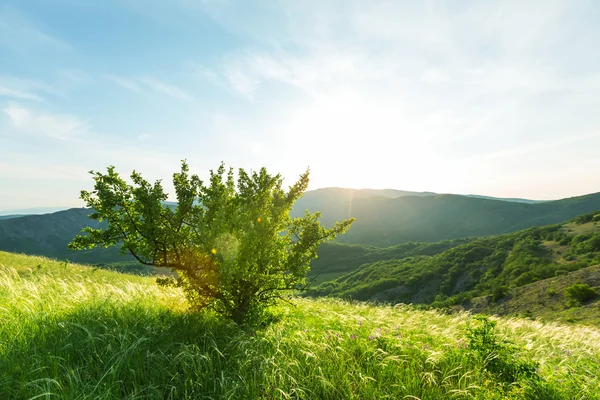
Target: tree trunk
{"points": [[241, 310]]}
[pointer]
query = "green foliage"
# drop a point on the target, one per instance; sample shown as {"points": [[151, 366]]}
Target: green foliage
{"points": [[585, 218], [480, 267], [585, 243], [498, 292], [579, 293], [233, 245], [498, 355], [344, 258]]}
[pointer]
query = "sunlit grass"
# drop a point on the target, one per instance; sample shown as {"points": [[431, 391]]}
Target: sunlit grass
{"points": [[72, 332]]}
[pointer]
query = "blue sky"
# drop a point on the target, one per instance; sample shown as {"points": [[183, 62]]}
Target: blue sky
{"points": [[497, 98]]}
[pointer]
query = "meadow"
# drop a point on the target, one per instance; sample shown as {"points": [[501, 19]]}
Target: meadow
{"points": [[75, 332]]}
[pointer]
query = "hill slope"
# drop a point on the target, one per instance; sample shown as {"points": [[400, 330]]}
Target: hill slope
{"points": [[12, 216], [479, 267], [87, 333], [336, 259], [385, 221], [546, 299], [49, 234]]}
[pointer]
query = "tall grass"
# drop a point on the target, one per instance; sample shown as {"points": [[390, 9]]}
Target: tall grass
{"points": [[70, 332]]}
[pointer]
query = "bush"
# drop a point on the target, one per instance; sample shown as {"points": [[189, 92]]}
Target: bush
{"points": [[233, 245], [579, 293], [582, 219], [498, 293], [499, 356]]}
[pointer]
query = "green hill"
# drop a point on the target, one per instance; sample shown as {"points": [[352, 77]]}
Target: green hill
{"points": [[336, 259], [482, 266], [513, 199], [49, 234], [382, 221], [72, 332], [11, 216]]}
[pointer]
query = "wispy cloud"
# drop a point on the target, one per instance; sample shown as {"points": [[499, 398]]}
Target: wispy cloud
{"points": [[25, 89], [17, 94], [62, 127], [145, 83], [538, 146], [428, 95], [165, 88], [20, 33], [129, 84]]}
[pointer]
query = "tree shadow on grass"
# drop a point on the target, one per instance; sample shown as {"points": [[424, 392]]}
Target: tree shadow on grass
{"points": [[131, 351]]}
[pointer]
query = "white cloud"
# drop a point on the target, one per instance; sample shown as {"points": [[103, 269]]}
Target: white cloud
{"points": [[434, 76], [141, 85], [61, 127], [25, 89], [429, 95], [74, 76], [129, 84], [17, 94], [398, 84], [242, 83], [166, 88]]}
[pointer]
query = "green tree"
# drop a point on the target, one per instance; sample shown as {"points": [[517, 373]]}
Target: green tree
{"points": [[233, 247]]}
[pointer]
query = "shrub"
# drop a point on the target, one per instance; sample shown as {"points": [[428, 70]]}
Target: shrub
{"points": [[234, 247], [498, 355], [579, 293], [582, 219], [498, 293]]}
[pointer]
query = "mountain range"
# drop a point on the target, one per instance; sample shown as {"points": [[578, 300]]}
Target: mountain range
{"points": [[384, 218]]}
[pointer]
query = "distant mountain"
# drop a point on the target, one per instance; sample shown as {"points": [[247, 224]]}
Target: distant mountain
{"points": [[512, 199], [337, 203], [381, 221], [49, 234], [385, 221], [12, 216], [29, 211]]}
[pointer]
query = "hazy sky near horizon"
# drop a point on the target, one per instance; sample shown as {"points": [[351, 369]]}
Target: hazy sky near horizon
{"points": [[497, 98]]}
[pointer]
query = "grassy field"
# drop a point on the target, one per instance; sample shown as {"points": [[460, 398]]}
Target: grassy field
{"points": [[71, 332]]}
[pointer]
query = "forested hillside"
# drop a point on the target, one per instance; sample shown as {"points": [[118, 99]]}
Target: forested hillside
{"points": [[48, 235], [485, 266], [336, 259]]}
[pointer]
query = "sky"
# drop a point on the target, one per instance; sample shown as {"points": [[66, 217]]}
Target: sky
{"points": [[496, 98]]}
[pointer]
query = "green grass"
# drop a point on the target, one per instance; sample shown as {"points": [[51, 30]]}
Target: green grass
{"points": [[71, 332], [579, 229]]}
